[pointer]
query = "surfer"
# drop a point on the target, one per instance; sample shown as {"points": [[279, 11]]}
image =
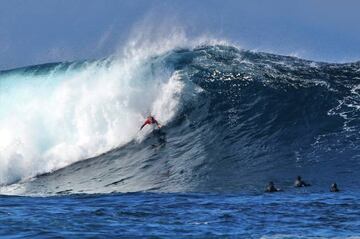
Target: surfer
{"points": [[150, 120], [300, 183], [271, 188], [334, 188]]}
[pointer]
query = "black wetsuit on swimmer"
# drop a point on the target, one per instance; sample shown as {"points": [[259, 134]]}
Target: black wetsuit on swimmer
{"points": [[271, 188], [300, 183], [334, 188], [150, 120]]}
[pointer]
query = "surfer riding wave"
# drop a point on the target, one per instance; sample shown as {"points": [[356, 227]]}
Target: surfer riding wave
{"points": [[149, 121]]}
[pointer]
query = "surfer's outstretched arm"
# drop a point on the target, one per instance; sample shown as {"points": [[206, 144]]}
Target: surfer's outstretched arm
{"points": [[157, 123], [145, 123], [142, 126]]}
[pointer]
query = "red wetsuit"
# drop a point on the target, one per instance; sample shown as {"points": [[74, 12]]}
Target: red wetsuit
{"points": [[150, 120]]}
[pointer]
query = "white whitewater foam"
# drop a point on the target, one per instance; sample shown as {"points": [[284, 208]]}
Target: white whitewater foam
{"points": [[52, 120], [45, 126]]}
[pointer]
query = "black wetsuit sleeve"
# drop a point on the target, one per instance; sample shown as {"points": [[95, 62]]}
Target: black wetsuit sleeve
{"points": [[157, 123]]}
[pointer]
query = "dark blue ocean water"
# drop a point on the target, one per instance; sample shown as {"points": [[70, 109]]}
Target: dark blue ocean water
{"points": [[169, 215], [239, 120]]}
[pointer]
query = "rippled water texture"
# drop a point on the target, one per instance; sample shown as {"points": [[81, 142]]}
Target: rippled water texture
{"points": [[157, 215]]}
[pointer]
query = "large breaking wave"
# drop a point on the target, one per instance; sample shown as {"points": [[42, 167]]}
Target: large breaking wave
{"points": [[233, 119]]}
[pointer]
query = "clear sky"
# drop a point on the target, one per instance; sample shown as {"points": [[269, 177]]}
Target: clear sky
{"points": [[40, 31]]}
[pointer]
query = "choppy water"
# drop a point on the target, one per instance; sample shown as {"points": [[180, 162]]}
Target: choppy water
{"points": [[158, 215]]}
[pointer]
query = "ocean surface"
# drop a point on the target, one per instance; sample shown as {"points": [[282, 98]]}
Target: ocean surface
{"points": [[73, 162], [182, 215]]}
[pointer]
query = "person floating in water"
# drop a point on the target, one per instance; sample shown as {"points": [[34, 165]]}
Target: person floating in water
{"points": [[150, 120], [334, 188], [271, 188], [300, 183]]}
